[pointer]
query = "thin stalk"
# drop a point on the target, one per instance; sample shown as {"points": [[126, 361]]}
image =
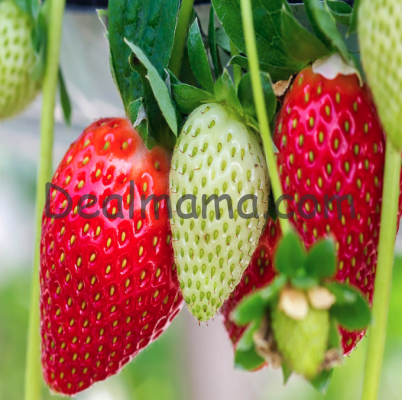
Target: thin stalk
{"points": [[183, 22], [33, 378], [236, 68], [248, 27], [378, 328]]}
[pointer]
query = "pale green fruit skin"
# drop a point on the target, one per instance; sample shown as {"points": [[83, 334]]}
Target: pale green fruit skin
{"points": [[302, 343], [17, 56], [380, 37], [211, 255]]}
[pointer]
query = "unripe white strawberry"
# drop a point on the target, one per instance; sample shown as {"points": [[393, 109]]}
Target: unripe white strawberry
{"points": [[17, 57], [216, 154], [380, 33]]}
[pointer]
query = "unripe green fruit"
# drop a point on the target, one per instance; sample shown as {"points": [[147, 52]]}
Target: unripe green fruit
{"points": [[302, 343], [216, 154], [380, 36], [17, 57]]}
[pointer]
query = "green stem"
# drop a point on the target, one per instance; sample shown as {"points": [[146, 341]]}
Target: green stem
{"points": [[33, 379], [378, 328], [181, 36], [236, 68], [248, 27]]}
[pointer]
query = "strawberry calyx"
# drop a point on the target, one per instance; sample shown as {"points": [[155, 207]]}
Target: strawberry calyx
{"points": [[222, 90], [293, 322]]}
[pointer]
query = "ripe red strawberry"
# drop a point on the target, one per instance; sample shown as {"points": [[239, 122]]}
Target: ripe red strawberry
{"points": [[108, 286], [330, 141], [259, 273], [329, 138]]}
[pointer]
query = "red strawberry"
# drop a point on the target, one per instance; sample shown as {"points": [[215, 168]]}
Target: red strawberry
{"points": [[330, 141], [337, 137], [108, 286]]}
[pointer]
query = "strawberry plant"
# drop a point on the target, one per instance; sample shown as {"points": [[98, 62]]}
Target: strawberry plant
{"points": [[23, 27]]}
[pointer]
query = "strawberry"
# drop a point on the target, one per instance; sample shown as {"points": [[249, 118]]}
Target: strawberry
{"points": [[259, 273], [108, 282], [17, 58], [330, 142], [381, 51], [216, 154]]}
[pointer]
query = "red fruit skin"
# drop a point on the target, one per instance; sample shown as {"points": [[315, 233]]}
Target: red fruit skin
{"points": [[301, 174], [108, 286], [336, 146], [259, 273]]}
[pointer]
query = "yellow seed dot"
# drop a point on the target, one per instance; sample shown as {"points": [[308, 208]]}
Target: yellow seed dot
{"points": [[123, 236], [81, 184], [127, 282], [85, 161], [80, 286], [124, 263], [98, 173], [155, 241], [72, 240], [158, 272], [108, 269], [144, 187], [69, 159], [93, 280], [62, 257], [98, 316], [62, 231], [156, 294], [68, 179], [106, 146], [109, 242], [98, 229], [72, 322], [93, 256], [79, 261], [87, 143], [68, 277], [125, 145], [141, 251], [75, 210], [112, 291], [83, 305], [142, 276], [97, 296], [86, 228], [113, 309]]}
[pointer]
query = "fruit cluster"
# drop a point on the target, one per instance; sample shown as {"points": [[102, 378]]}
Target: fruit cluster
{"points": [[291, 270]]}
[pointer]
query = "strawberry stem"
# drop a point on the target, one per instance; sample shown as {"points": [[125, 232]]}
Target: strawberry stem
{"points": [[183, 23], [378, 328], [33, 378], [248, 26], [236, 68]]}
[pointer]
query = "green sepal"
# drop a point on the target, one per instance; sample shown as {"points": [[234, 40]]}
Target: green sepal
{"points": [[246, 357], [103, 16], [290, 256], [29, 7], [158, 86], [299, 42], [322, 380], [245, 95], [321, 259], [213, 45], [188, 98], [271, 207], [334, 340], [351, 309], [198, 58], [325, 28], [222, 39], [287, 372], [276, 73], [353, 19], [341, 11], [136, 114], [225, 92], [255, 305], [304, 282], [64, 99]]}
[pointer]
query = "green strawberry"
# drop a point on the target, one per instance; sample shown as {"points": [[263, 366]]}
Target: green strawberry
{"points": [[17, 57], [216, 153], [302, 343], [380, 34]]}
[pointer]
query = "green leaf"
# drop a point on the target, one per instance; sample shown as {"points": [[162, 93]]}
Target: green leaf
{"points": [[299, 42], [321, 381], [188, 98], [325, 27], [267, 23], [353, 19], [198, 58], [256, 304], [246, 357], [103, 16], [290, 256], [151, 26], [222, 39], [64, 99], [351, 308], [341, 11], [158, 86], [287, 372], [212, 43], [321, 259], [276, 73], [24, 6], [225, 92], [246, 97]]}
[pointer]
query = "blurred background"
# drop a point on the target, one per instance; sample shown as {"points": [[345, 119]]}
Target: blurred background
{"points": [[189, 362]]}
